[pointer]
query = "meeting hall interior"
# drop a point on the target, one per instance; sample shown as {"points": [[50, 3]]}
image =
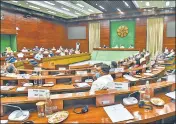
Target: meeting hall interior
{"points": [[87, 61]]}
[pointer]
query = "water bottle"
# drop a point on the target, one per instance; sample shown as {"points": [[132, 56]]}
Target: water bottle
{"points": [[48, 104], [147, 92]]}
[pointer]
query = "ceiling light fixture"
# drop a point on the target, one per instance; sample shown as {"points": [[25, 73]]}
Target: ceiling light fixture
{"points": [[136, 4], [52, 12], [34, 7], [101, 7], [126, 4], [80, 5], [167, 3], [66, 9], [90, 10], [53, 8], [147, 4], [49, 3], [119, 10], [15, 1]]}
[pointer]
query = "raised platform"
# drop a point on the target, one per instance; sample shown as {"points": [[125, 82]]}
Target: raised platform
{"points": [[112, 54]]}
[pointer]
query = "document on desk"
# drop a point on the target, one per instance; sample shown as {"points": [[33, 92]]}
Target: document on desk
{"points": [[171, 94], [118, 113]]}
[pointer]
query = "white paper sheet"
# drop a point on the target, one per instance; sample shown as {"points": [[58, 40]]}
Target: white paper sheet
{"points": [[20, 88], [130, 78], [148, 74], [171, 94], [118, 113], [82, 84]]}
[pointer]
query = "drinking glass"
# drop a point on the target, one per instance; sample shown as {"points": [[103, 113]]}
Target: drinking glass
{"points": [[41, 109]]}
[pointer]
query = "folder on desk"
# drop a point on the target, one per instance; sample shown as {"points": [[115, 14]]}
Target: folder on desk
{"points": [[118, 113]]}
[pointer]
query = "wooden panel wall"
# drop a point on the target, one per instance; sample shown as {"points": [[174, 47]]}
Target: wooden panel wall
{"points": [[33, 31], [168, 42], [36, 31], [84, 43], [104, 33], [141, 33]]}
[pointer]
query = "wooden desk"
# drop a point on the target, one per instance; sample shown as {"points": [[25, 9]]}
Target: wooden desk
{"points": [[82, 95], [98, 115], [116, 49]]}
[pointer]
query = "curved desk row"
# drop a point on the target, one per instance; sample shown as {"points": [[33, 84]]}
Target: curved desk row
{"points": [[53, 78], [96, 114], [51, 62]]}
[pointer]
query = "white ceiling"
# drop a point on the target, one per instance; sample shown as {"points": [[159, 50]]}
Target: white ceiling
{"points": [[64, 9], [151, 4]]}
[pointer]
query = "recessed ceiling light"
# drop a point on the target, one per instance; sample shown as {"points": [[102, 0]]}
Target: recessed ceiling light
{"points": [[119, 10], [34, 7], [66, 9], [80, 5], [90, 10], [15, 1], [167, 3], [126, 4], [147, 4], [96, 4], [52, 12], [49, 3], [20, 4], [101, 7]]}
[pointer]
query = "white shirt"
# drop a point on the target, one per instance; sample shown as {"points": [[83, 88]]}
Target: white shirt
{"points": [[142, 59], [38, 56], [62, 53], [122, 47], [20, 55], [24, 50], [166, 51], [101, 83], [171, 54]]}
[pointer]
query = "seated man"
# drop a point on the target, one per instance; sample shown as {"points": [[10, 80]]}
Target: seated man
{"points": [[121, 46], [171, 54], [10, 68], [24, 50], [131, 46], [39, 56], [51, 54], [166, 51], [36, 49], [113, 66], [20, 55], [77, 52], [103, 79], [11, 58]]}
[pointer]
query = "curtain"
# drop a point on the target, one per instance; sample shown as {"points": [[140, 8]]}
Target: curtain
{"points": [[155, 35], [94, 35]]}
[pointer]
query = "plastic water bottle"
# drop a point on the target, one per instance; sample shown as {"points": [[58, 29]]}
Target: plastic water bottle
{"points": [[147, 92], [48, 105]]}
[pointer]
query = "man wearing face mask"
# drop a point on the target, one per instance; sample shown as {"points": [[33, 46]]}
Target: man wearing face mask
{"points": [[104, 79]]}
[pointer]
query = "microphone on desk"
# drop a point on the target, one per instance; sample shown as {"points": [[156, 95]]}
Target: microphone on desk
{"points": [[17, 115], [131, 100]]}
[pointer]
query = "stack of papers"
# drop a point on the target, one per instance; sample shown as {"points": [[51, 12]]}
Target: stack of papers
{"points": [[7, 87], [130, 78], [171, 95], [148, 74], [118, 113], [20, 88], [82, 85]]}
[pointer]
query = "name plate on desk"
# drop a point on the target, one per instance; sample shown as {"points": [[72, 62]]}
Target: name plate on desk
{"points": [[119, 69], [81, 72], [121, 86], [104, 100], [37, 93]]}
